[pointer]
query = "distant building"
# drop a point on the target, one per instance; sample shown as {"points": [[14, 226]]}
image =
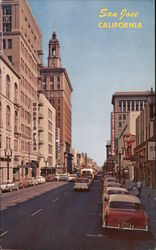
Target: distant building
{"points": [[126, 108], [47, 140], [108, 149], [58, 89]]}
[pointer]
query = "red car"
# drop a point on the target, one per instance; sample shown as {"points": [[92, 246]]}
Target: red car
{"points": [[124, 212]]}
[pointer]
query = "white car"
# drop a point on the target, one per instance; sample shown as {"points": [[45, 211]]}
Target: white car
{"points": [[40, 179], [62, 177], [81, 184], [9, 186], [113, 190], [72, 177], [31, 181]]}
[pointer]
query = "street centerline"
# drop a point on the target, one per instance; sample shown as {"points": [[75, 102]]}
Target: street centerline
{"points": [[53, 201], [36, 212], [96, 235], [4, 233]]}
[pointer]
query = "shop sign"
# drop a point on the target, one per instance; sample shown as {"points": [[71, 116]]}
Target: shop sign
{"points": [[35, 126], [151, 150]]}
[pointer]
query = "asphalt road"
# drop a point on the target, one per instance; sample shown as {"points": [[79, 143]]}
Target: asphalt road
{"points": [[54, 217]]}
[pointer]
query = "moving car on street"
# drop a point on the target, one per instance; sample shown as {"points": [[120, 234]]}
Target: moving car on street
{"points": [[72, 177], [81, 184], [124, 212], [87, 172], [62, 177]]}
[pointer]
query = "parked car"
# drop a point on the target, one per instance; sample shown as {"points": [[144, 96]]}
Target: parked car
{"points": [[109, 179], [81, 184], [3, 187], [9, 186], [40, 179], [124, 212], [21, 183], [31, 181], [113, 190], [50, 177], [62, 177], [72, 177]]}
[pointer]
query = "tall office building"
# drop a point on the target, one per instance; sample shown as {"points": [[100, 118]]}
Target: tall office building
{"points": [[21, 45], [58, 89]]}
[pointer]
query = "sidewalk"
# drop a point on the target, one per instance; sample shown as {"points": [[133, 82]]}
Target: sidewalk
{"points": [[148, 199]]}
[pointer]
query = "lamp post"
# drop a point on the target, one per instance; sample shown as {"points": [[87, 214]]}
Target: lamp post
{"points": [[8, 155]]}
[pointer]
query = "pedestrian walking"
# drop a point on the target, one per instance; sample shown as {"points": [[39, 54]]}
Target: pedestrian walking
{"points": [[139, 186]]}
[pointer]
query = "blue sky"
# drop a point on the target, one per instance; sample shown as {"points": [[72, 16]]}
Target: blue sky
{"points": [[99, 62]]}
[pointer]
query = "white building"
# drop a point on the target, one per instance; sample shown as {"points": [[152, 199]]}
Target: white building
{"points": [[9, 112], [47, 134]]}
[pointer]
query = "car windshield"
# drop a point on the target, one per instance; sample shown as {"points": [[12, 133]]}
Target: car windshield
{"points": [[125, 205], [116, 192], [82, 180]]}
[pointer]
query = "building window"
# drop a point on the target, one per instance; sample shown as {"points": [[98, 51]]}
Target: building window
{"points": [[53, 51], [9, 43], [51, 78], [120, 124], [50, 125], [15, 93], [50, 137], [0, 115], [16, 121], [52, 86], [128, 105], [7, 86], [124, 116], [50, 149], [124, 105], [58, 86], [6, 27], [120, 116], [8, 117], [7, 10], [132, 105], [137, 106], [4, 44], [49, 114], [10, 58], [120, 105], [141, 105], [0, 141]]}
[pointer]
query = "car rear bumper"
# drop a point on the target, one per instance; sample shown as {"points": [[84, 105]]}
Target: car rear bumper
{"points": [[121, 227]]}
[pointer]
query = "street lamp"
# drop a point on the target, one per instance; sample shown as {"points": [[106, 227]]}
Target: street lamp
{"points": [[8, 155]]}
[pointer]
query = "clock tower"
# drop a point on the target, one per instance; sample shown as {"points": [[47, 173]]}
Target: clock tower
{"points": [[54, 60]]}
